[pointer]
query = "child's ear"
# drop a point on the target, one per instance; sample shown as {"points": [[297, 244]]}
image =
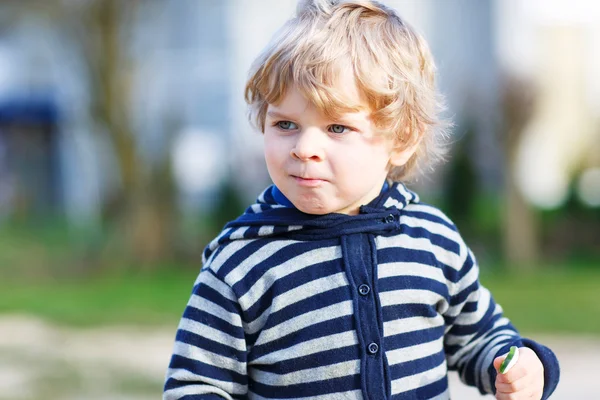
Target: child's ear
{"points": [[401, 155], [402, 152]]}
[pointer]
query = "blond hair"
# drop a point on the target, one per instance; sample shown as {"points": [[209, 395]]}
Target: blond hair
{"points": [[391, 63]]}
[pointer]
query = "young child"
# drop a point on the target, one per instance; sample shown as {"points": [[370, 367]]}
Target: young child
{"points": [[338, 283]]}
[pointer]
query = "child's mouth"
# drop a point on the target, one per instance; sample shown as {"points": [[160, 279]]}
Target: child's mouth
{"points": [[308, 182]]}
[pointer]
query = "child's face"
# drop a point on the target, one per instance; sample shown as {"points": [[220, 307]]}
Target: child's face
{"points": [[324, 166]]}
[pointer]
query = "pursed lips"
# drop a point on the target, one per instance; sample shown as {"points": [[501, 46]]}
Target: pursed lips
{"points": [[308, 181]]}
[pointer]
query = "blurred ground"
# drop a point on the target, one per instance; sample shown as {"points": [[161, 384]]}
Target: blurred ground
{"points": [[42, 361]]}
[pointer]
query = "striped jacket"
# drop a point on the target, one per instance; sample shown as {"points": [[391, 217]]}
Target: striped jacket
{"points": [[379, 305]]}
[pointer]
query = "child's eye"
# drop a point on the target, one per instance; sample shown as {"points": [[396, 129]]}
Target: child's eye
{"points": [[286, 125], [338, 129]]}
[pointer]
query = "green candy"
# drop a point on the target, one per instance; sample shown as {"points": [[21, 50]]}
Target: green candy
{"points": [[510, 360]]}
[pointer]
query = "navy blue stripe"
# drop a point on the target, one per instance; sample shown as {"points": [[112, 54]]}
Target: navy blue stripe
{"points": [[214, 322], [314, 331], [209, 371], [399, 282], [330, 386], [315, 360], [429, 217], [239, 256], [398, 311], [205, 343], [290, 282], [408, 339], [400, 254], [210, 396], [436, 239], [464, 294], [210, 294], [252, 232], [470, 306], [417, 366], [310, 304]]}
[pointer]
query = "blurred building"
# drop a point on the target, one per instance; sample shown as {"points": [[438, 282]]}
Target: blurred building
{"points": [[189, 63]]}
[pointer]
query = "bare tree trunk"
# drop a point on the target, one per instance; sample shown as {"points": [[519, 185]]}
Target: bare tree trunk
{"points": [[136, 209], [520, 231]]}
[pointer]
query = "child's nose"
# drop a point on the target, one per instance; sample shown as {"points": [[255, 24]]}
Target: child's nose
{"points": [[308, 146]]}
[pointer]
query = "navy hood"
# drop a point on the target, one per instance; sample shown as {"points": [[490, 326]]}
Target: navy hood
{"points": [[268, 217]]}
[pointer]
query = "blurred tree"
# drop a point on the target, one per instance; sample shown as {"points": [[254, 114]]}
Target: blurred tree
{"points": [[140, 209], [461, 186], [521, 236]]}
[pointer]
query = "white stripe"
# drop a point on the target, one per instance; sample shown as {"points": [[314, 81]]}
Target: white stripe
{"points": [[308, 347], [350, 395], [212, 334], [304, 320], [208, 357], [214, 243], [391, 202], [222, 388], [415, 352], [239, 233], [208, 306], [387, 270], [408, 196], [404, 325], [471, 318], [429, 210], [266, 230], [240, 272], [326, 372], [410, 296], [308, 290], [407, 243], [227, 252], [291, 265], [463, 284], [432, 227], [252, 327], [419, 380], [468, 347], [208, 279], [256, 208], [261, 196]]}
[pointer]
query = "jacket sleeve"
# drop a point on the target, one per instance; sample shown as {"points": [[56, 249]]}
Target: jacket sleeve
{"points": [[209, 355], [477, 332]]}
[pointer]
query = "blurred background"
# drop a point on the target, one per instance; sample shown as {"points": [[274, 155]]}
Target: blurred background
{"points": [[124, 148]]}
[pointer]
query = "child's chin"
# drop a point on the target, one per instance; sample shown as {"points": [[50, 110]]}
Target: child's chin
{"points": [[314, 209]]}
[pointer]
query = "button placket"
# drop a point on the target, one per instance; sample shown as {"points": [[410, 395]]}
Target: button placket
{"points": [[362, 270]]}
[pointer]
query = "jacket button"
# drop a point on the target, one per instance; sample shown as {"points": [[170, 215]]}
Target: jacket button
{"points": [[364, 289], [373, 348]]}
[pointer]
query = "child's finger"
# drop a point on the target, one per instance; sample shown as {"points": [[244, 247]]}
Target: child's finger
{"points": [[517, 372], [520, 384]]}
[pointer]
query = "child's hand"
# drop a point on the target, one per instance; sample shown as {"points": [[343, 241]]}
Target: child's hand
{"points": [[525, 380]]}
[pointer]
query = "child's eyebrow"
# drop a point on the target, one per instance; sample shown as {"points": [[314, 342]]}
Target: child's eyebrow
{"points": [[278, 115]]}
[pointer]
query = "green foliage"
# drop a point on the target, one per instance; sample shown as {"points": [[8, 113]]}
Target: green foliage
{"points": [[152, 299], [44, 272], [555, 299]]}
